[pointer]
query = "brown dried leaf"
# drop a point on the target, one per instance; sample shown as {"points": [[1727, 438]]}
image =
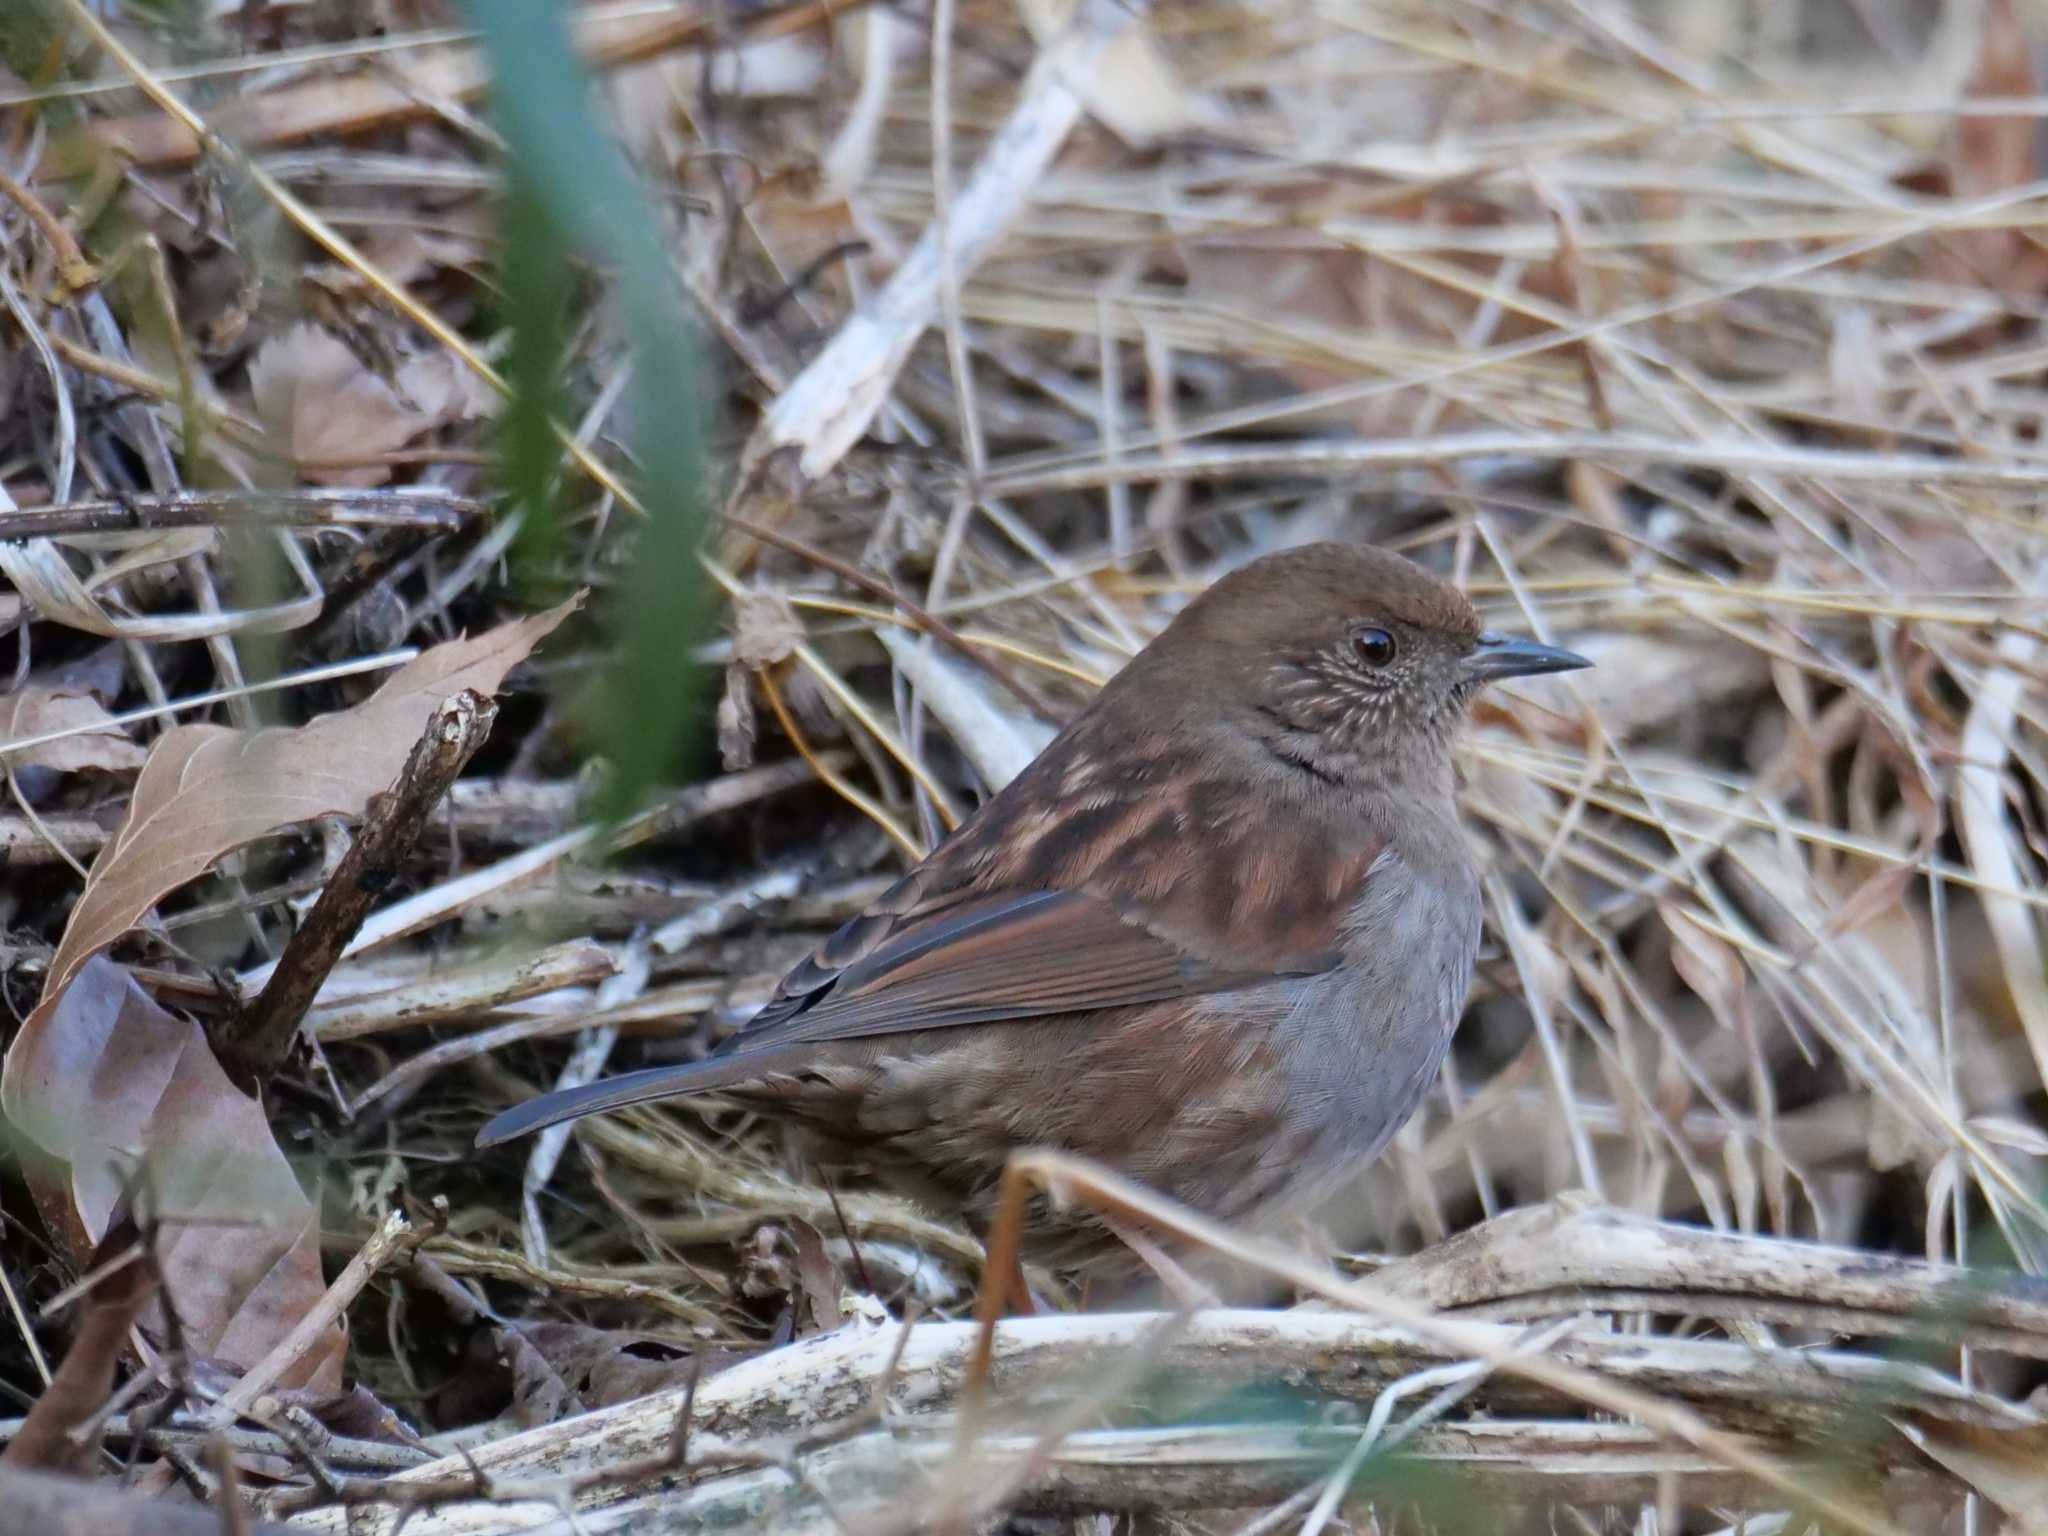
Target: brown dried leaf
{"points": [[99, 744], [51, 1436], [818, 1276], [356, 1412], [405, 255], [207, 789], [1133, 90], [100, 1077], [318, 402], [1708, 964], [737, 725], [114, 1080], [442, 386], [765, 632], [1993, 154], [765, 629], [2009, 1467], [570, 1367]]}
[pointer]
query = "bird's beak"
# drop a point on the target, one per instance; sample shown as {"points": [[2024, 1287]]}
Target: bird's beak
{"points": [[1499, 656]]}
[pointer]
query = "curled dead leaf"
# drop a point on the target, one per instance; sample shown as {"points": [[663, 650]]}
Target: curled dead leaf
{"points": [[117, 1083], [104, 1082], [2007, 1465], [765, 629], [319, 404], [1708, 964], [207, 789], [92, 740], [446, 389], [737, 724], [59, 1434], [568, 1367]]}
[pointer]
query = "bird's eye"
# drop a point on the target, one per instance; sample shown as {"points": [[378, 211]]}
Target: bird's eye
{"points": [[1375, 647]]}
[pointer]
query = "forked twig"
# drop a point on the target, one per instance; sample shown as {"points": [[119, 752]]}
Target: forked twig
{"points": [[253, 1045]]}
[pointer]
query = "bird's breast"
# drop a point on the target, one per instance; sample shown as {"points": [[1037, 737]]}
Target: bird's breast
{"points": [[1363, 1042]]}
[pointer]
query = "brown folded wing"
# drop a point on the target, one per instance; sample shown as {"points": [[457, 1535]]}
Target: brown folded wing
{"points": [[1014, 956], [1162, 888]]}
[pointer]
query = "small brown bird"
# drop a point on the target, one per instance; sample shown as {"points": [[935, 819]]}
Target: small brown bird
{"points": [[1217, 935]]}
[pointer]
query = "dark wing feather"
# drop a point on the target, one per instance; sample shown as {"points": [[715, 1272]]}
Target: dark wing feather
{"points": [[546, 1109]]}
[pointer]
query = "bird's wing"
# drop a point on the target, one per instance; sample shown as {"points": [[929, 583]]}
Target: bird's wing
{"points": [[1013, 955], [1083, 886]]}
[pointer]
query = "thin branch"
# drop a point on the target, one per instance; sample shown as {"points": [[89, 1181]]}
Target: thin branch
{"points": [[254, 1043], [417, 510]]}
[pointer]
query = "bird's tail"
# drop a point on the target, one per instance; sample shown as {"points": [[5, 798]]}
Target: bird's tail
{"points": [[630, 1088]]}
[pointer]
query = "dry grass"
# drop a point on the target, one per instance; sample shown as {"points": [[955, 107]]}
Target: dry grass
{"points": [[1704, 338]]}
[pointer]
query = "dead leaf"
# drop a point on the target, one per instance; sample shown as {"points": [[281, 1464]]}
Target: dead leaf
{"points": [[2005, 1131], [1995, 154], [818, 1276], [116, 1081], [98, 742], [207, 789], [444, 388], [765, 629], [405, 255], [1710, 965], [570, 1367], [356, 1412], [2008, 1466], [1132, 91], [737, 725], [765, 632], [101, 1079], [319, 403], [49, 1437]]}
